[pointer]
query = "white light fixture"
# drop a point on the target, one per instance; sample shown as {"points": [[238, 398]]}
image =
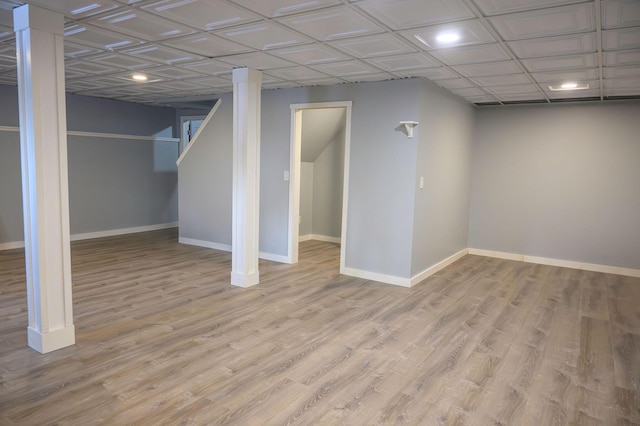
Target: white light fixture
{"points": [[409, 125], [448, 37], [139, 77], [568, 86]]}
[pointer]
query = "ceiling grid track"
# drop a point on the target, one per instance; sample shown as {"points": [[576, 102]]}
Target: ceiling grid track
{"points": [[503, 51], [485, 22], [599, 42]]}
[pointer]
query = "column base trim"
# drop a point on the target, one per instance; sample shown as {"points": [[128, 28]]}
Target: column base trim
{"points": [[239, 279], [51, 340]]}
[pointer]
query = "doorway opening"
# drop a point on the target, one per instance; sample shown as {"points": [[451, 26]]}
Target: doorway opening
{"points": [[189, 126], [319, 174]]}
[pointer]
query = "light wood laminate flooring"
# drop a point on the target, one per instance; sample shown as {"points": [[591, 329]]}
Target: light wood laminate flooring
{"points": [[162, 338]]}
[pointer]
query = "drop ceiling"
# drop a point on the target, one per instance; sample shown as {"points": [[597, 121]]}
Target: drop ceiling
{"points": [[507, 50]]}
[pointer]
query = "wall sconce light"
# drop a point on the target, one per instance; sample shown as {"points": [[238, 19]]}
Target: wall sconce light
{"points": [[409, 125]]}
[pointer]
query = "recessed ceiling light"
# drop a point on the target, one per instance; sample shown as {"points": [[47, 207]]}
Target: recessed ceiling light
{"points": [[139, 77], [568, 86], [448, 37]]}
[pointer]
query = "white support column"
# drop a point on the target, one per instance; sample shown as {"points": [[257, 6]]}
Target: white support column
{"points": [[246, 177], [43, 149]]}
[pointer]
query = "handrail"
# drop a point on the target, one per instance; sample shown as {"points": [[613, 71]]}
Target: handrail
{"points": [[202, 126], [104, 135]]}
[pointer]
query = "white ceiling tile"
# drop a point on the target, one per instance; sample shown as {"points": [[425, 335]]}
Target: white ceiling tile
{"points": [[574, 94], [173, 73], [297, 73], [89, 67], [256, 60], [546, 22], [621, 72], [403, 62], [207, 45], [212, 82], [434, 74], [622, 83], [126, 77], [9, 78], [347, 68], [76, 8], [119, 61], [310, 54], [559, 63], [628, 38], [102, 39], [622, 57], [108, 81], [142, 25], [368, 77], [501, 80], [209, 67], [512, 89], [499, 7], [468, 92], [456, 83], [401, 14], [6, 32], [263, 36], [469, 33], [560, 77], [471, 54], [74, 50], [512, 97], [275, 8], [206, 15], [573, 44], [620, 13], [373, 45], [161, 54], [322, 81], [622, 92], [77, 85], [177, 85], [332, 24], [282, 85], [493, 68], [480, 99]]}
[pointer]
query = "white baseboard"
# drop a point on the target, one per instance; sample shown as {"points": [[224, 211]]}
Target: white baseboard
{"points": [[319, 237], [202, 243], [374, 276], [438, 266], [274, 257], [227, 247], [594, 267], [100, 234], [123, 231], [12, 245]]}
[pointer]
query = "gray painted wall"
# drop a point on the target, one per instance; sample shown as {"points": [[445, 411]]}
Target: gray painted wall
{"points": [[306, 198], [113, 184], [558, 181], [444, 138], [382, 171], [328, 172], [206, 178]]}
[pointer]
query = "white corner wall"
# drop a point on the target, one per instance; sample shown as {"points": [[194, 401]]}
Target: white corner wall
{"points": [[558, 182]]}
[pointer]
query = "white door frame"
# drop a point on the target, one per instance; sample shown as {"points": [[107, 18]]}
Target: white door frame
{"points": [[294, 176]]}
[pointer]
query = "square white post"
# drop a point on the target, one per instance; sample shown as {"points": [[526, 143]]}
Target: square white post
{"points": [[45, 191], [246, 177]]}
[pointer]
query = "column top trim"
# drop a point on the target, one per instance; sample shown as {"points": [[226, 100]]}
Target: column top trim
{"points": [[32, 17], [245, 75]]}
